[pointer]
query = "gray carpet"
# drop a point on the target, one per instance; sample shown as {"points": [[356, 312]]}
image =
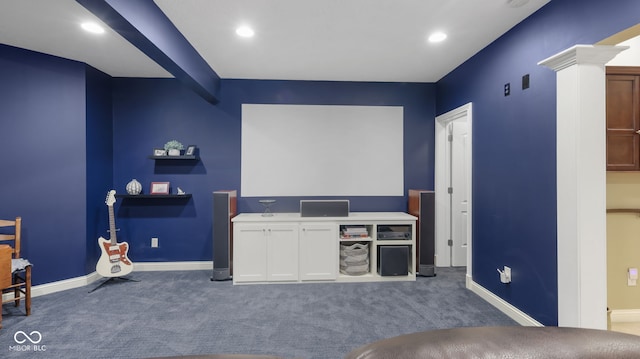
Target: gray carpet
{"points": [[184, 313]]}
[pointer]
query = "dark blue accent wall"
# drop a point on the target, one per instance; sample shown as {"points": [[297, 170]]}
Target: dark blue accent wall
{"points": [[42, 111], [149, 112], [99, 147], [514, 166]]}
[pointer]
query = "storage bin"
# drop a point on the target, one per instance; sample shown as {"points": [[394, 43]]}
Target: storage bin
{"points": [[354, 258]]}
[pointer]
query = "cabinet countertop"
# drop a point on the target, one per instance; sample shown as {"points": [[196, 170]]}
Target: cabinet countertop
{"points": [[353, 217]]}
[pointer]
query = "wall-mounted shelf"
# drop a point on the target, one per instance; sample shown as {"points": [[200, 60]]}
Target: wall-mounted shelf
{"points": [[184, 157], [154, 196]]}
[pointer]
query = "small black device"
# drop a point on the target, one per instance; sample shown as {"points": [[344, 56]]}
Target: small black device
{"points": [[394, 232]]}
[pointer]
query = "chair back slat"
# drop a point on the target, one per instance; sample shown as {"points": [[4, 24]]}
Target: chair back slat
{"points": [[15, 237], [7, 223]]}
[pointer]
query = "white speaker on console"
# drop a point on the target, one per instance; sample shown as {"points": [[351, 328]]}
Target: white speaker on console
{"points": [[324, 208], [224, 209]]}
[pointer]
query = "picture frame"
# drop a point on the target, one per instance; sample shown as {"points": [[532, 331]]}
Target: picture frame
{"points": [[191, 150], [159, 188], [159, 152]]}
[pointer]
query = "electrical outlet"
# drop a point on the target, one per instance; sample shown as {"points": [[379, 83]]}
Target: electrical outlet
{"points": [[507, 89], [154, 242], [507, 273], [632, 277]]}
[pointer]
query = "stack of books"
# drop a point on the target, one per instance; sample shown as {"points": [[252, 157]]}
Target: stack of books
{"points": [[354, 232]]}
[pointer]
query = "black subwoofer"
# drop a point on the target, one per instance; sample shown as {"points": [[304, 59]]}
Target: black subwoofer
{"points": [[393, 260]]}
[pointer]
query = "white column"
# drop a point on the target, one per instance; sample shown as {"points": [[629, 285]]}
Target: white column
{"points": [[581, 184]]}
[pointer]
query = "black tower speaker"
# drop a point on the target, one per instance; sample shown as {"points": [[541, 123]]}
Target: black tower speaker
{"points": [[224, 208], [422, 205]]}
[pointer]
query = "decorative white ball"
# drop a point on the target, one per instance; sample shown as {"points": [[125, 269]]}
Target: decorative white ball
{"points": [[134, 187]]}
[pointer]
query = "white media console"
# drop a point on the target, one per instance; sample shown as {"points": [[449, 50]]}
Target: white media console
{"points": [[286, 247]]}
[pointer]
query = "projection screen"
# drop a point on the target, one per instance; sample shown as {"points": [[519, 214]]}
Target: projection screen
{"points": [[321, 150]]}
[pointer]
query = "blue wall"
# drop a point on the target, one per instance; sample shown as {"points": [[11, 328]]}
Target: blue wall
{"points": [[149, 112], [99, 147], [42, 110], [514, 173]]}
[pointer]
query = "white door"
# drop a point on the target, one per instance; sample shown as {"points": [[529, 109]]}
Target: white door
{"points": [[453, 169], [282, 252], [459, 194], [318, 252], [249, 253]]}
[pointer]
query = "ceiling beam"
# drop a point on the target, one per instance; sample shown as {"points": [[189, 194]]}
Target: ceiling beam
{"points": [[143, 24]]}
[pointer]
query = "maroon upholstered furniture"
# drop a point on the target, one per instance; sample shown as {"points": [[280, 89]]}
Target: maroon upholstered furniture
{"points": [[504, 343]]}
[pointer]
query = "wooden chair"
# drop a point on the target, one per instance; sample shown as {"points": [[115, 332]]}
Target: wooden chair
{"points": [[17, 282]]}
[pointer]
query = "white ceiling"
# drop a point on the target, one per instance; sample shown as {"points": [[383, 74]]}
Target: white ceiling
{"points": [[629, 57], [342, 40]]}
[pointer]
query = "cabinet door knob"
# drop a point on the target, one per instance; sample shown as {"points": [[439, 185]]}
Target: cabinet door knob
{"points": [[638, 132]]}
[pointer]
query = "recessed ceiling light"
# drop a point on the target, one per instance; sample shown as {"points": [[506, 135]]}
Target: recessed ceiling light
{"points": [[92, 27], [245, 31], [516, 3], [437, 37]]}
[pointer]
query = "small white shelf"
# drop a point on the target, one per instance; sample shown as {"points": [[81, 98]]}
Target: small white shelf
{"points": [[356, 239], [394, 242]]}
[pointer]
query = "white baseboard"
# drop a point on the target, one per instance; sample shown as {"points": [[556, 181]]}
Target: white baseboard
{"points": [[625, 315], [172, 266], [503, 306], [59, 286], [53, 287]]}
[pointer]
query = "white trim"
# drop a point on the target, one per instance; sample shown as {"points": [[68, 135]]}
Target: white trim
{"points": [[172, 266], [581, 184], [581, 54], [77, 282], [625, 315], [440, 184], [65, 284], [503, 306]]}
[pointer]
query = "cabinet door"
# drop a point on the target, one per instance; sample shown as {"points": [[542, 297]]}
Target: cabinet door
{"points": [[623, 120], [282, 252], [249, 253], [318, 252]]}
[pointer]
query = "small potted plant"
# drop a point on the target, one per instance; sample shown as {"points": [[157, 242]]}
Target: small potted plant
{"points": [[173, 148]]}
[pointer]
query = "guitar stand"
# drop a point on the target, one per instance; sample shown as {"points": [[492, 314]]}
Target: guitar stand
{"points": [[112, 279]]}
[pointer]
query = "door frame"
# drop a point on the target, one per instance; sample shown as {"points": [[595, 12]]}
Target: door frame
{"points": [[442, 211]]}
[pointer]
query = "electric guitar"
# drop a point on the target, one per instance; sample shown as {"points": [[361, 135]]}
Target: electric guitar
{"points": [[113, 261]]}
